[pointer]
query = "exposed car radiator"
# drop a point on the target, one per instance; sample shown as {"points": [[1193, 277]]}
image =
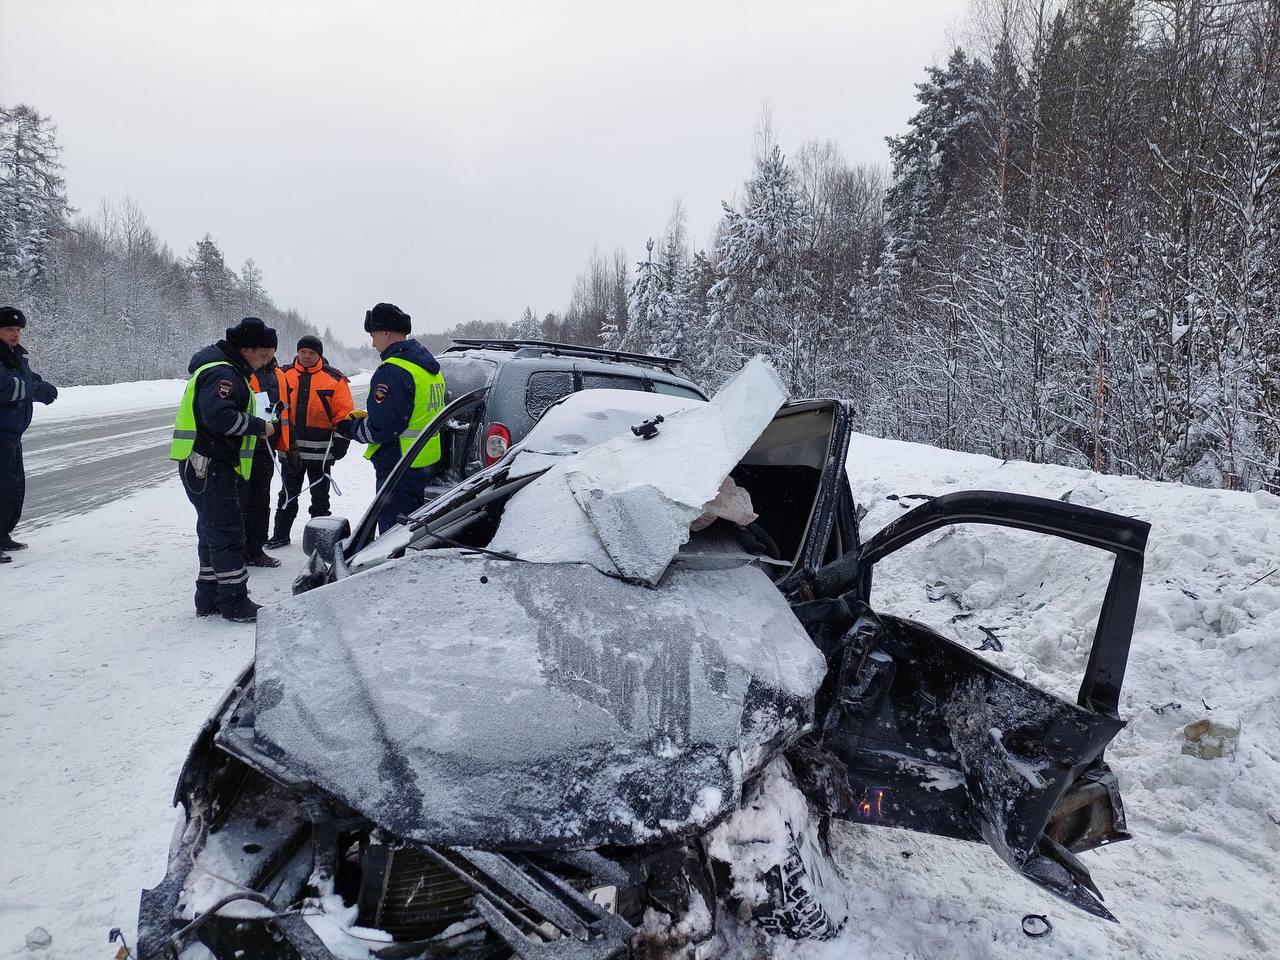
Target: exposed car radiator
{"points": [[409, 895]]}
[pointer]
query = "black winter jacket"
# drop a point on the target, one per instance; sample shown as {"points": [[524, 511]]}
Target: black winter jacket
{"points": [[19, 386], [222, 393]]}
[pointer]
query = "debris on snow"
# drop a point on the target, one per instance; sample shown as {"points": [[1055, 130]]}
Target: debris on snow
{"points": [[1211, 739], [39, 939]]}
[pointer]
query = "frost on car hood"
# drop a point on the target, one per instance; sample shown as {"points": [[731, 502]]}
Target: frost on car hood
{"points": [[468, 701], [624, 506]]}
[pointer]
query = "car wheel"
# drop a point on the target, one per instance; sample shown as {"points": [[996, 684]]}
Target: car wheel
{"points": [[771, 861], [793, 909]]}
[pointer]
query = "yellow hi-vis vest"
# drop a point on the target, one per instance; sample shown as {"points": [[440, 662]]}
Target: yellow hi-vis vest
{"points": [[428, 400], [184, 431]]}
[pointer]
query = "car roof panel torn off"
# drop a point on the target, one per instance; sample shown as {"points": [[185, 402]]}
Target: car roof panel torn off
{"points": [[625, 505]]}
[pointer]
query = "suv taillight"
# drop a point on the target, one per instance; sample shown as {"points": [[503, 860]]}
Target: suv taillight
{"points": [[496, 441]]}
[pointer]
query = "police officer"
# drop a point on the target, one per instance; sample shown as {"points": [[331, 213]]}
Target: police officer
{"points": [[19, 386], [256, 491], [214, 439], [405, 394]]}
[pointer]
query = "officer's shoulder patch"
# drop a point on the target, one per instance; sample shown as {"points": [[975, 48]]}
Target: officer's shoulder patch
{"points": [[224, 388], [380, 392]]}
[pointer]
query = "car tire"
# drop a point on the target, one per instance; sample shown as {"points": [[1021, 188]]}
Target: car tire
{"points": [[772, 865], [793, 909]]}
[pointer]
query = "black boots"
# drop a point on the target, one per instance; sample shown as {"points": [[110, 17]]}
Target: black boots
{"points": [[260, 559], [8, 543], [278, 541], [244, 611]]}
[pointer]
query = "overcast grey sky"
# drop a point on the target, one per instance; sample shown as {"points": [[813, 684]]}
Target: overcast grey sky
{"points": [[462, 158]]}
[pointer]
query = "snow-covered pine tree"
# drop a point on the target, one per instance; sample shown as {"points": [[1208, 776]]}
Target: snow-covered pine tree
{"points": [[764, 301], [644, 304], [250, 286], [33, 199], [922, 391], [674, 326], [926, 161], [209, 272], [528, 327]]}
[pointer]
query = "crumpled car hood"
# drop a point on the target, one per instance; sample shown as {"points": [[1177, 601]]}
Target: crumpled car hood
{"points": [[625, 505], [479, 702]]}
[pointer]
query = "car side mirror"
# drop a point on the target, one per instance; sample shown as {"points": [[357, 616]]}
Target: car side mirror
{"points": [[323, 535]]}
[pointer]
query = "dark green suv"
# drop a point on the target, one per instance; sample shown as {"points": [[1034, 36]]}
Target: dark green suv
{"points": [[525, 377]]}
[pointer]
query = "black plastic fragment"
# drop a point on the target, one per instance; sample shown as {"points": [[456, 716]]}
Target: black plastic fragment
{"points": [[1036, 926], [649, 429], [991, 642]]}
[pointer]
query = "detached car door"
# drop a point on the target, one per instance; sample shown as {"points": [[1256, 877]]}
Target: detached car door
{"points": [[937, 739]]}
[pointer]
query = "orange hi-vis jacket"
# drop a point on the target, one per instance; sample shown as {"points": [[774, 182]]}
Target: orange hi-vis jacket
{"points": [[280, 439], [320, 397]]}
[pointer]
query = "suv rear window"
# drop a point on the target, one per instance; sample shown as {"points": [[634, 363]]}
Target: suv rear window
{"points": [[604, 381], [675, 390], [545, 388], [464, 374]]}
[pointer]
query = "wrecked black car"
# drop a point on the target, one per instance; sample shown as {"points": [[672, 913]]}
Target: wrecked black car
{"points": [[605, 697]]}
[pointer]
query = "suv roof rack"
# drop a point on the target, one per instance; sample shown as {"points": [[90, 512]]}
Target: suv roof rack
{"points": [[535, 348]]}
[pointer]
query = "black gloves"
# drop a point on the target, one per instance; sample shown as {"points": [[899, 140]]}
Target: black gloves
{"points": [[44, 392]]}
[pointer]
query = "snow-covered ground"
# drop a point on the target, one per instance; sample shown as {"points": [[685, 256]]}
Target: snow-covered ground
{"points": [[1200, 878], [107, 676]]}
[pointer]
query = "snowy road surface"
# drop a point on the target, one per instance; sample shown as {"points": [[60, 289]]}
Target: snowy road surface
{"points": [[76, 465], [78, 457], [107, 676]]}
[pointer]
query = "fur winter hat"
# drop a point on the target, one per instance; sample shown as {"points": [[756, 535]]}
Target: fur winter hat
{"points": [[311, 343], [389, 317], [12, 317], [249, 333]]}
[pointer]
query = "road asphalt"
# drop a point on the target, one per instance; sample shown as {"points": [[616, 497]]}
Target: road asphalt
{"points": [[76, 465]]}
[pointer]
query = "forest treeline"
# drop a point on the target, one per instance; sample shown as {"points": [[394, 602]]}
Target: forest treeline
{"points": [[1074, 258], [107, 300]]}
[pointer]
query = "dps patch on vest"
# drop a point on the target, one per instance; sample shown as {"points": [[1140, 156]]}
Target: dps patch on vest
{"points": [[224, 388], [380, 393]]}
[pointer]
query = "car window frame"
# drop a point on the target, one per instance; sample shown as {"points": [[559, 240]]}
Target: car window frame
{"points": [[364, 532], [574, 387]]}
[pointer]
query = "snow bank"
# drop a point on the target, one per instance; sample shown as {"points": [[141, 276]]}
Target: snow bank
{"points": [[108, 675], [76, 403], [1199, 879]]}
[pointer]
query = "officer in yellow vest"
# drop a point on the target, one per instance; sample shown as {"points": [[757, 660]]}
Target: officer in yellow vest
{"points": [[405, 394], [214, 440]]}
